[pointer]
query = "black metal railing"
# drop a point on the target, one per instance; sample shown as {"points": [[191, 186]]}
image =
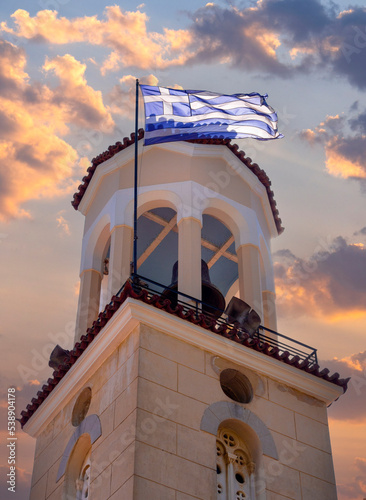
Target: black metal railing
{"points": [[285, 345]]}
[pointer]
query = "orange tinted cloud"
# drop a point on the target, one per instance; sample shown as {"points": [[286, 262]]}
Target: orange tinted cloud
{"points": [[268, 40], [340, 166], [80, 103], [124, 32], [35, 161], [331, 284], [344, 142]]}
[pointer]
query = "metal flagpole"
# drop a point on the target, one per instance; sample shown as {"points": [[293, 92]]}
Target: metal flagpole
{"points": [[135, 183]]}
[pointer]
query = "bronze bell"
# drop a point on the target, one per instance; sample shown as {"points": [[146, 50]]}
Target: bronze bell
{"points": [[211, 296]]}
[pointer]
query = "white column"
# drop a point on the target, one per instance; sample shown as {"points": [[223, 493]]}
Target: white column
{"points": [[189, 257], [269, 310], [231, 486], [250, 277], [89, 296], [120, 258]]}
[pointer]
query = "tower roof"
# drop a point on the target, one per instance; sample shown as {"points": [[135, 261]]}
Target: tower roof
{"points": [[234, 148]]}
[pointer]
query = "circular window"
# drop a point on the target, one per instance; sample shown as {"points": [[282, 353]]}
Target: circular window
{"points": [[81, 407], [236, 386]]}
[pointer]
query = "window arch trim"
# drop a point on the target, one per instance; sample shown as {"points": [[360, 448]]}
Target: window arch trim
{"points": [[90, 425], [220, 411]]}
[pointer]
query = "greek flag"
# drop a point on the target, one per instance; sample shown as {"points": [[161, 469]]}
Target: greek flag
{"points": [[180, 115]]}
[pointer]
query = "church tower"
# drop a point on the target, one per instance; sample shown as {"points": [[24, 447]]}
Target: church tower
{"points": [[179, 386]]}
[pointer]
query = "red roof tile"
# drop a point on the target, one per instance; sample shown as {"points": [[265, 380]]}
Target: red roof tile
{"points": [[119, 146], [205, 322]]}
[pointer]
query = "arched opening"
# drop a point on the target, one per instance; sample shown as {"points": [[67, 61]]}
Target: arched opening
{"points": [[218, 251], [235, 467], [157, 244], [77, 477]]}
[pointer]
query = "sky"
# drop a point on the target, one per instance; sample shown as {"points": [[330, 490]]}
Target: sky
{"points": [[67, 76]]}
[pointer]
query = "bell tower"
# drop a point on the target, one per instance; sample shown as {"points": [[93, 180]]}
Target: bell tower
{"points": [[179, 386]]}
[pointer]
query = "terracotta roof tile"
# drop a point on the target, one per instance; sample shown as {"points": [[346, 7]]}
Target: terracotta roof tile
{"points": [[202, 320]]}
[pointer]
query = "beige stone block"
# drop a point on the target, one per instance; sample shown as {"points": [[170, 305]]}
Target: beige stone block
{"points": [[57, 494], [118, 382], [197, 446], [106, 422], [281, 480], [315, 489], [100, 488], [38, 491], [156, 431], [199, 386], [123, 468], [184, 496], [51, 454], [144, 489], [125, 492], [63, 419], [175, 472], [129, 346], [297, 401], [274, 496], [51, 478], [115, 444], [304, 458], [170, 404], [276, 417], [104, 373], [312, 432], [44, 439], [173, 349], [158, 369], [126, 403]]}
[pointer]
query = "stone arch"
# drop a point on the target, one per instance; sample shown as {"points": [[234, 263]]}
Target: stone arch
{"points": [[226, 214], [149, 200], [257, 434], [79, 444], [241, 220]]}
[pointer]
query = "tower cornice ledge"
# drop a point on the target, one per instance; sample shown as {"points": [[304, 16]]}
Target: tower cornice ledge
{"points": [[134, 312]]}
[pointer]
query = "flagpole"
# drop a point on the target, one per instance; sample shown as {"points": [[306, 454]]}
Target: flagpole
{"points": [[135, 182]]}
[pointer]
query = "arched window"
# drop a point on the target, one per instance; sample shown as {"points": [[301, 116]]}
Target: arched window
{"points": [[234, 467]]}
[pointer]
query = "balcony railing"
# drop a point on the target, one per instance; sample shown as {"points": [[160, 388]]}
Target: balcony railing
{"points": [[286, 346]]}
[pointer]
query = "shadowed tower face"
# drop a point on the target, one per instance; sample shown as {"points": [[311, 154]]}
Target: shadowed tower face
{"points": [[179, 386]]}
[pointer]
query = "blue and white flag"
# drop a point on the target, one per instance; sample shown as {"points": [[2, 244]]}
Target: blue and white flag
{"points": [[180, 115]]}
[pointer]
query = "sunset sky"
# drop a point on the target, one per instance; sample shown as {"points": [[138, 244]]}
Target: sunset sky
{"points": [[67, 76]]}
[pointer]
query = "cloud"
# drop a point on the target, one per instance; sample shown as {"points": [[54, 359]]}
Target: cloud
{"points": [[123, 32], [276, 37], [357, 488], [35, 161], [329, 285], [344, 142], [63, 224], [122, 96], [352, 405], [80, 103]]}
